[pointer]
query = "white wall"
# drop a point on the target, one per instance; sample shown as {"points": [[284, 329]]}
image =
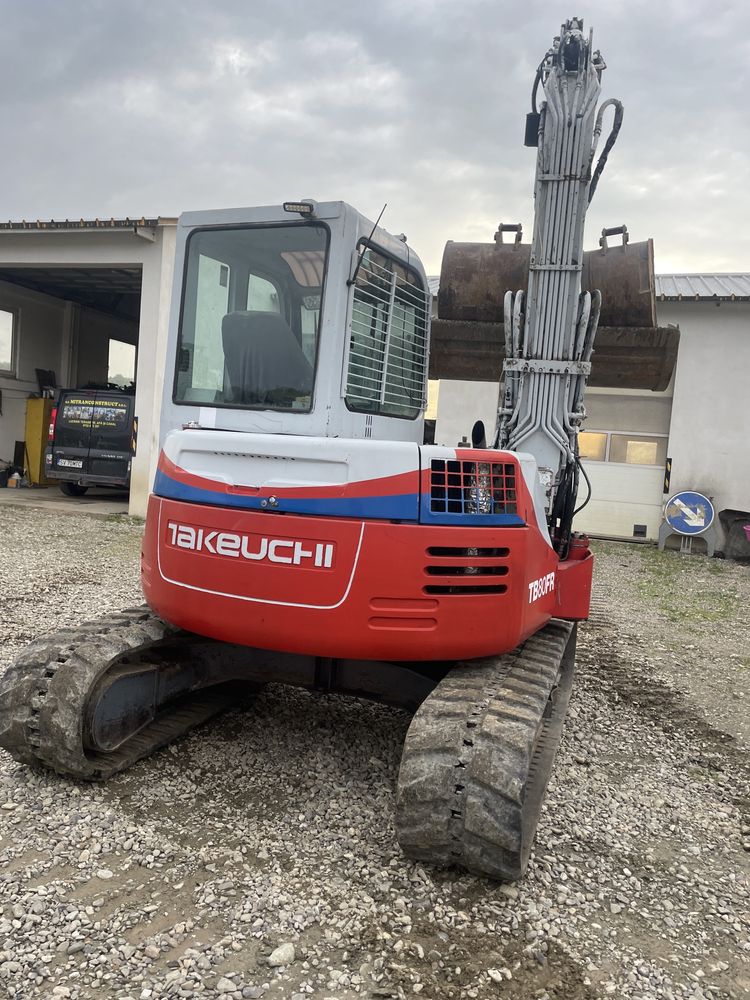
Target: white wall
{"points": [[709, 440], [153, 374], [460, 405], [634, 410]]}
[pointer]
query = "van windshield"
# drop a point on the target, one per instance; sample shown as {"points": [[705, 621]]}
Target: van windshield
{"points": [[250, 316]]}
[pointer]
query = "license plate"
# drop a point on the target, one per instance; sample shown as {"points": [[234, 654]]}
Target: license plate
{"points": [[71, 463]]}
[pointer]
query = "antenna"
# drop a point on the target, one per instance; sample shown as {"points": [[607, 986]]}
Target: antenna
{"points": [[364, 248]]}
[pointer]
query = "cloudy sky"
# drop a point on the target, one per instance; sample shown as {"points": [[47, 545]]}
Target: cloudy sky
{"points": [[158, 106]]}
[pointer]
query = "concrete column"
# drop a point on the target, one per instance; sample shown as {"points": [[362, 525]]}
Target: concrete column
{"points": [[68, 363], [156, 289]]}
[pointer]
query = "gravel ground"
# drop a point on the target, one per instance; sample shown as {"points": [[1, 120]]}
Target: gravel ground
{"points": [[257, 858]]}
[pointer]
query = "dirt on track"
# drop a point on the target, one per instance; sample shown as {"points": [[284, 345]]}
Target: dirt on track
{"points": [[273, 825]]}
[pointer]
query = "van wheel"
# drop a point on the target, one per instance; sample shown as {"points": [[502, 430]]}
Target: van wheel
{"points": [[73, 489]]}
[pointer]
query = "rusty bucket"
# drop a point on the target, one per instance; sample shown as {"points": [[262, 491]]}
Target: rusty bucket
{"points": [[474, 278]]}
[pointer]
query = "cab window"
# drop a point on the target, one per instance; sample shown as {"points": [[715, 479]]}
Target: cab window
{"points": [[250, 316]]}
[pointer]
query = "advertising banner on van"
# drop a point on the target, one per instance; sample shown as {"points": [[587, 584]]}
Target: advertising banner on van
{"points": [[96, 415]]}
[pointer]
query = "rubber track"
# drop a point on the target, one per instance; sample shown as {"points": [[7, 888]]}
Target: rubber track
{"points": [[478, 755], [43, 696]]}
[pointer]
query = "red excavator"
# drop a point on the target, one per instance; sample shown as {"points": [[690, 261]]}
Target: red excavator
{"points": [[299, 530]]}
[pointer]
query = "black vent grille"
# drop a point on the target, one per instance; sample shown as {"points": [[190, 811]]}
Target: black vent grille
{"points": [[454, 570], [464, 487]]}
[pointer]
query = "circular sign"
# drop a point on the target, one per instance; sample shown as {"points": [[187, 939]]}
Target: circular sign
{"points": [[689, 513]]}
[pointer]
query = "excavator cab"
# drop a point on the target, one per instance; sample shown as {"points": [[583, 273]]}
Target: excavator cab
{"points": [[297, 319]]}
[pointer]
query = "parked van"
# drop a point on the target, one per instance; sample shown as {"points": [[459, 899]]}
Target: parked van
{"points": [[91, 440]]}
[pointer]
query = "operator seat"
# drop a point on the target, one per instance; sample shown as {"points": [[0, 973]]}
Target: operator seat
{"points": [[262, 356]]}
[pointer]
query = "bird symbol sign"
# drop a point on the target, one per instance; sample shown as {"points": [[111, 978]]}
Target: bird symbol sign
{"points": [[689, 513]]}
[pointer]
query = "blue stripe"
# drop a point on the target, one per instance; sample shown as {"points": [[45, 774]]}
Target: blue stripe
{"points": [[461, 520], [401, 507]]}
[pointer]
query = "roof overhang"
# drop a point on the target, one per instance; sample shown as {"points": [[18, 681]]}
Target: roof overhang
{"points": [[88, 225], [112, 290]]}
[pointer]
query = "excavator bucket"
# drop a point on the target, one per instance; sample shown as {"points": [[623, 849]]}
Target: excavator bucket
{"points": [[624, 357], [625, 276], [474, 278], [630, 351]]}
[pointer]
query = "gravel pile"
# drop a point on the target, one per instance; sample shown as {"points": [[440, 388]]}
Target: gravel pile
{"points": [[256, 858]]}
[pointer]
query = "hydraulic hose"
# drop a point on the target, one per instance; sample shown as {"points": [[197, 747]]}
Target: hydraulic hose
{"points": [[611, 139]]}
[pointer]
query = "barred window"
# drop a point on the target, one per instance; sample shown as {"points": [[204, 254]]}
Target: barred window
{"points": [[388, 343]]}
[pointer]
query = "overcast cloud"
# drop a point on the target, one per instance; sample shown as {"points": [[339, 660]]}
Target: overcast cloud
{"points": [[153, 108]]}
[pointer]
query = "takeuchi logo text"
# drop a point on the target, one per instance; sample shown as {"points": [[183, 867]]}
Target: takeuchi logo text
{"points": [[255, 548]]}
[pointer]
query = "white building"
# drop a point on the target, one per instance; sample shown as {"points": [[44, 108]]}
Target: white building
{"points": [[70, 290], [67, 291]]}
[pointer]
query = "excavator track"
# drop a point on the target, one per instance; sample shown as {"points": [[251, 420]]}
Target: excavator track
{"points": [[44, 695], [478, 755]]}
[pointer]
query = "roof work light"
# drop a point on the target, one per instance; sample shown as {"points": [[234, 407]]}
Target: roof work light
{"points": [[300, 207]]}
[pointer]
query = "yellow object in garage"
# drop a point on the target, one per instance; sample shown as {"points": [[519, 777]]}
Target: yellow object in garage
{"points": [[38, 414]]}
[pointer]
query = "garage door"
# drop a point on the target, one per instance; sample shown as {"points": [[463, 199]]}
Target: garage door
{"points": [[626, 471]]}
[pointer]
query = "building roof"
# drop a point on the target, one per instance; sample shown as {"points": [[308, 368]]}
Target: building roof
{"points": [[127, 223], [675, 287]]}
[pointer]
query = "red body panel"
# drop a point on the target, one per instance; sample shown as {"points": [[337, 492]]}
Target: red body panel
{"points": [[574, 578], [350, 588]]}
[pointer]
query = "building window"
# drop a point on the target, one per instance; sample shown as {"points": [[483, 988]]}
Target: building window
{"points": [[121, 365], [7, 342], [637, 449], [592, 446], [623, 449], [388, 342]]}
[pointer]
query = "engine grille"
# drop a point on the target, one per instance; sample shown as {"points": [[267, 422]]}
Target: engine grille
{"points": [[466, 570], [465, 487]]}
